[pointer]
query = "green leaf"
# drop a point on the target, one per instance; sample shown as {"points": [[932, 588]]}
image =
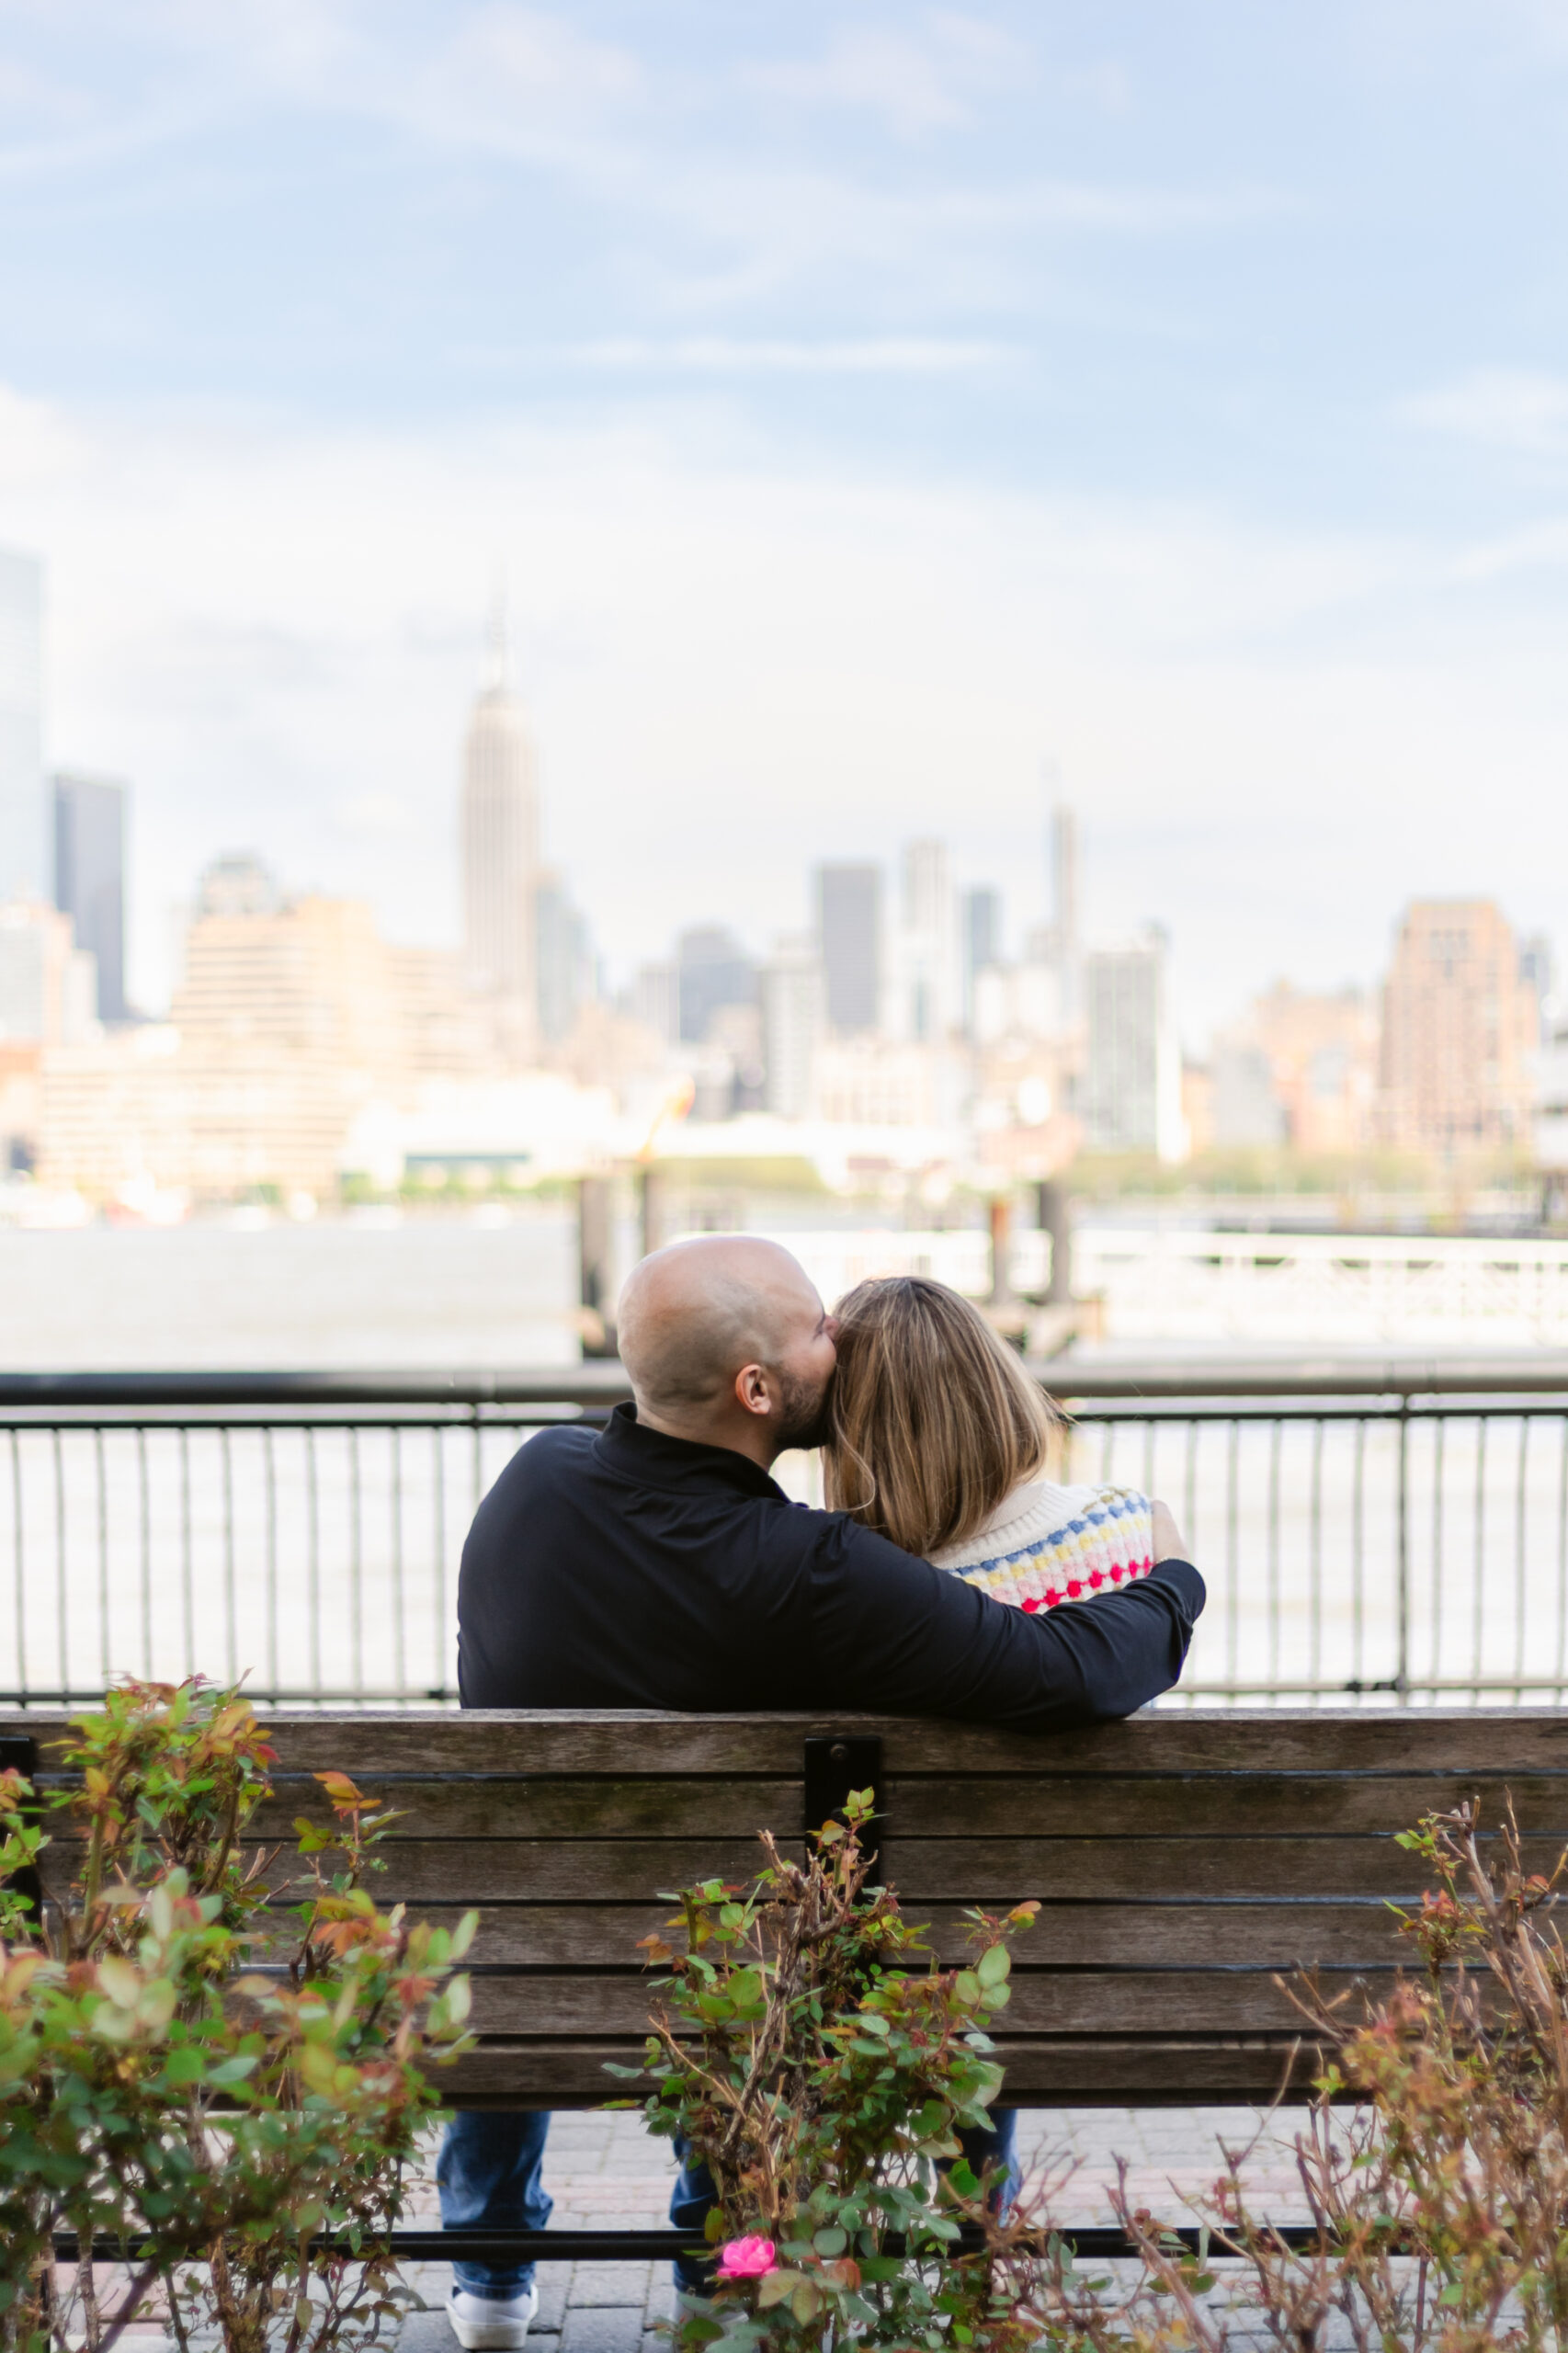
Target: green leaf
{"points": [[230, 2072], [993, 1965], [185, 2066], [830, 2242]]}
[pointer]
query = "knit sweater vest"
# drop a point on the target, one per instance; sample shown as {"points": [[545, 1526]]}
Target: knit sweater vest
{"points": [[1045, 1544]]}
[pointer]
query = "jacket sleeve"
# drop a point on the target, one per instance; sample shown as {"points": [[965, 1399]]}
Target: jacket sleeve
{"points": [[892, 1633]]}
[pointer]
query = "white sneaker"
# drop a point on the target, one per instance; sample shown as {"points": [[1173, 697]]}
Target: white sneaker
{"points": [[492, 2324]]}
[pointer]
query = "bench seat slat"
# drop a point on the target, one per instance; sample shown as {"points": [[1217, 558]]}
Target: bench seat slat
{"points": [[1400, 1742], [990, 1873], [987, 1872], [963, 1808], [1132, 2070], [599, 1940], [1189, 2001]]}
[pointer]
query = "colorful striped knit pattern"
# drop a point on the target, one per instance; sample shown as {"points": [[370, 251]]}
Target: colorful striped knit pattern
{"points": [[1049, 1544]]}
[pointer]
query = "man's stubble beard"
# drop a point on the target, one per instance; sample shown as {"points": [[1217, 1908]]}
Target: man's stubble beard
{"points": [[807, 1418]]}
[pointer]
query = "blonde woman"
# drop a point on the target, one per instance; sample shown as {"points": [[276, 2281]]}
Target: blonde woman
{"points": [[940, 1440]]}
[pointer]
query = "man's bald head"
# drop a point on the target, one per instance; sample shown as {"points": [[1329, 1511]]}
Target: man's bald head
{"points": [[693, 1316]]}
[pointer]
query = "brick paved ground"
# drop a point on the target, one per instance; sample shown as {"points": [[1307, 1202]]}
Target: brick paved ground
{"points": [[605, 2170]]}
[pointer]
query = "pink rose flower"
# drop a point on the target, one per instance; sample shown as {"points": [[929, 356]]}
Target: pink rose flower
{"points": [[747, 2259]]}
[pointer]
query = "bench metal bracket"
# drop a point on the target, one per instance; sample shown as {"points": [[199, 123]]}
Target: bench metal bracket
{"points": [[835, 1764]]}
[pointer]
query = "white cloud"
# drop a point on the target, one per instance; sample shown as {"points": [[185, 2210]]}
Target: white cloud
{"points": [[37, 445], [1540, 548], [915, 80], [1508, 408], [495, 79], [717, 206], [734, 355]]}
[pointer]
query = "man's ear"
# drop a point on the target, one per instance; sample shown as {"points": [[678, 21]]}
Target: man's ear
{"points": [[751, 1389]]}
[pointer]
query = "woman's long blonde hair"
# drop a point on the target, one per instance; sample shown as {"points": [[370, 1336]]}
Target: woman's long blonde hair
{"points": [[935, 1420]]}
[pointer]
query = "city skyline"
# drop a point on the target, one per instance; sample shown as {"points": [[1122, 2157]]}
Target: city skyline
{"points": [[304, 1048], [498, 753]]}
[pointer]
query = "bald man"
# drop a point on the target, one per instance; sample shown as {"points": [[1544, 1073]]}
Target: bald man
{"points": [[655, 1563]]}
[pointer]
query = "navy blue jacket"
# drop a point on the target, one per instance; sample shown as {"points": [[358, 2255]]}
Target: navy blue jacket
{"points": [[625, 1569]]}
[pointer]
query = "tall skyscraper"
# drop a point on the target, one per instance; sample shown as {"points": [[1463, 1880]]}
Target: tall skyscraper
{"points": [[793, 1020], [848, 909], [89, 878], [566, 959], [715, 971], [500, 851], [928, 972], [1131, 1099], [24, 866], [1460, 1024], [1066, 954], [982, 941], [653, 999]]}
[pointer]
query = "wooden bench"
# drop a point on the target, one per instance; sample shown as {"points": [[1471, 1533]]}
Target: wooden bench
{"points": [[1181, 1859]]}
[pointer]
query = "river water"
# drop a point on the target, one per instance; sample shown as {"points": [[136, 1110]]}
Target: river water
{"points": [[430, 1292]]}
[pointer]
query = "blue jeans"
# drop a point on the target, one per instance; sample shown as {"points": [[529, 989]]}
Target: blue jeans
{"points": [[488, 2174], [489, 2171]]}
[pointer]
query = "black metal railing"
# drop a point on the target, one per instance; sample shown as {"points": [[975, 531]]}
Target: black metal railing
{"points": [[1370, 1530]]}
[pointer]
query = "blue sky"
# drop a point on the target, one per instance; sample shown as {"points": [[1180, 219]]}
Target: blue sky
{"points": [[868, 405]]}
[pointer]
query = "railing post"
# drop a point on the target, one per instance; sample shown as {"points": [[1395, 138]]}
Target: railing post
{"points": [[596, 1277], [651, 1208], [1053, 1214], [1000, 1250], [1402, 1672]]}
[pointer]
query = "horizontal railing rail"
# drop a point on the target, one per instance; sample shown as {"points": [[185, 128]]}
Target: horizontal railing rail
{"points": [[578, 1384], [1096, 2243], [590, 1385], [1380, 1529]]}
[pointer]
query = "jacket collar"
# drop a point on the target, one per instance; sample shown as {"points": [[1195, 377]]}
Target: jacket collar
{"points": [[677, 1464]]}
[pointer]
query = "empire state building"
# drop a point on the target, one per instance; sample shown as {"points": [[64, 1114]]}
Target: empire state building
{"points": [[500, 854]]}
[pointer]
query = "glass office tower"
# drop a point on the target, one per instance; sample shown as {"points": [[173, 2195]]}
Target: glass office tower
{"points": [[89, 877]]}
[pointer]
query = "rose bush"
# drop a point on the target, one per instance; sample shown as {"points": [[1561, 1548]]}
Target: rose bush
{"points": [[211, 2063], [821, 2062]]}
